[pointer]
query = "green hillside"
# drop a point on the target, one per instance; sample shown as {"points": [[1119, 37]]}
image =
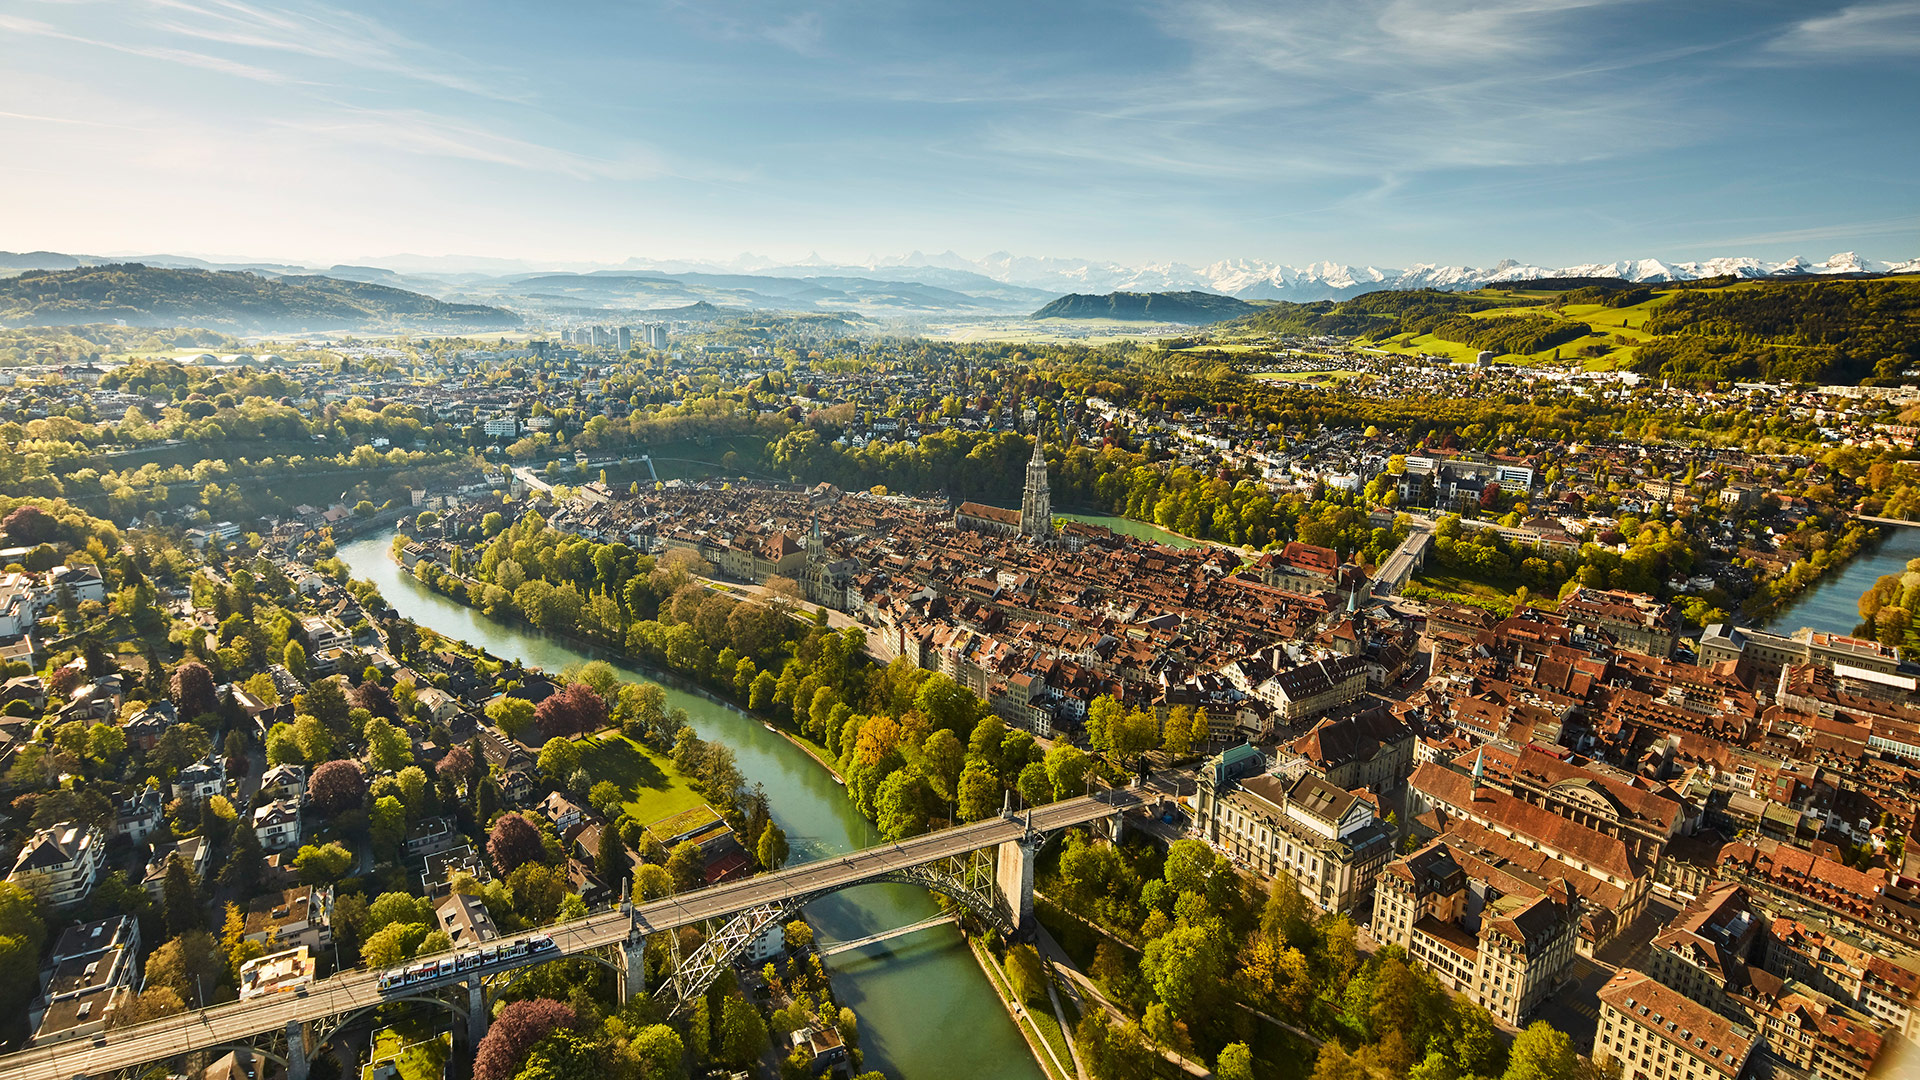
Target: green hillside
{"points": [[1174, 307], [1810, 330], [152, 296]]}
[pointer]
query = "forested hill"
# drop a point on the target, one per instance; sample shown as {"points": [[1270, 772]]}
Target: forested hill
{"points": [[1174, 307], [1846, 330], [152, 296]]}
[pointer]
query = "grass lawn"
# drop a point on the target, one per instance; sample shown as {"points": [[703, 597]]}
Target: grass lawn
{"points": [[415, 1053], [1049, 1027], [1465, 586], [651, 786]]}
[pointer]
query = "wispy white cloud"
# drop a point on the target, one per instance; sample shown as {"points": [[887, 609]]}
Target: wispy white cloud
{"points": [[1373, 91], [17, 25], [1861, 30], [326, 33]]}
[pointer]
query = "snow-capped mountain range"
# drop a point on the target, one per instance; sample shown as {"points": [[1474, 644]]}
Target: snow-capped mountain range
{"points": [[1254, 279]]}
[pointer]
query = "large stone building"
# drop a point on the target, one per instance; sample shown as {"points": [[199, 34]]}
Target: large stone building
{"points": [[1372, 749], [1634, 620], [1658, 1033], [1767, 654], [1330, 839], [1300, 568], [1576, 831], [1885, 990], [1298, 691], [1704, 953], [1704, 956], [1490, 929]]}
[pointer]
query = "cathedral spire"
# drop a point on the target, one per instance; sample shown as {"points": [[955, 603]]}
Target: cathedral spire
{"points": [[1036, 500]]}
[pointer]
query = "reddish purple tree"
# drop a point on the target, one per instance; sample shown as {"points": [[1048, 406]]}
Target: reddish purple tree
{"points": [[193, 690], [62, 683], [376, 699], [513, 843], [337, 785], [453, 767], [30, 525], [573, 711], [513, 1033]]}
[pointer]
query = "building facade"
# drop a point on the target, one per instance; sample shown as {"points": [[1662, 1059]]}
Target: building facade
{"points": [[1328, 838], [1489, 930]]}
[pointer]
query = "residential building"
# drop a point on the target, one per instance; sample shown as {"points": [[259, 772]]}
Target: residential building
{"points": [[92, 972], [562, 811], [431, 836], [465, 920], [277, 824], [194, 853], [60, 864], [284, 782], [302, 915], [281, 972], [137, 816], [201, 780]]}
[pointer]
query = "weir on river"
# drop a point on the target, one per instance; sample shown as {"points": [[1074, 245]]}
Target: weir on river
{"points": [[925, 1008]]}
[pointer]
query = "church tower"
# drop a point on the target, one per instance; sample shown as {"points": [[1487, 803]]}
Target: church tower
{"points": [[1036, 502]]}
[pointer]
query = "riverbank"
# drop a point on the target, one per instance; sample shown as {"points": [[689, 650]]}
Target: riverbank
{"points": [[1831, 601], [1038, 1041], [1765, 605]]}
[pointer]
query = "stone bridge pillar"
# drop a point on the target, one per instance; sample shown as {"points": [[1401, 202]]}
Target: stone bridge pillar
{"points": [[297, 1063], [476, 1012], [1013, 875], [630, 967]]}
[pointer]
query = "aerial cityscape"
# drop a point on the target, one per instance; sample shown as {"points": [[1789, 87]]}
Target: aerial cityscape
{"points": [[1144, 541]]}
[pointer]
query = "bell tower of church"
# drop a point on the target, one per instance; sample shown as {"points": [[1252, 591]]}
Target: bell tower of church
{"points": [[1036, 502]]}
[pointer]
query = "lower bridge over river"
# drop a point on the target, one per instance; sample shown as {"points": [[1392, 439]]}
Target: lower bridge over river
{"points": [[985, 867]]}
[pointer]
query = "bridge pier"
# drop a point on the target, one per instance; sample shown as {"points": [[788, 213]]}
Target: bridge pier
{"points": [[630, 967], [297, 1063], [1013, 875], [476, 1012]]}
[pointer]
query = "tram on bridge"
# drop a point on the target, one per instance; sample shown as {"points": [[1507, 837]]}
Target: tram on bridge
{"points": [[472, 960]]}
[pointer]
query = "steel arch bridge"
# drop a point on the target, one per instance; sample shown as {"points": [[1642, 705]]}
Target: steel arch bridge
{"points": [[968, 879]]}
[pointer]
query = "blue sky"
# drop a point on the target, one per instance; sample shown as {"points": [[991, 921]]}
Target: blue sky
{"points": [[1387, 132]]}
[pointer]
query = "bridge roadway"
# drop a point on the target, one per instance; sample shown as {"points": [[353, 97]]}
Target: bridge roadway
{"points": [[235, 1021]]}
